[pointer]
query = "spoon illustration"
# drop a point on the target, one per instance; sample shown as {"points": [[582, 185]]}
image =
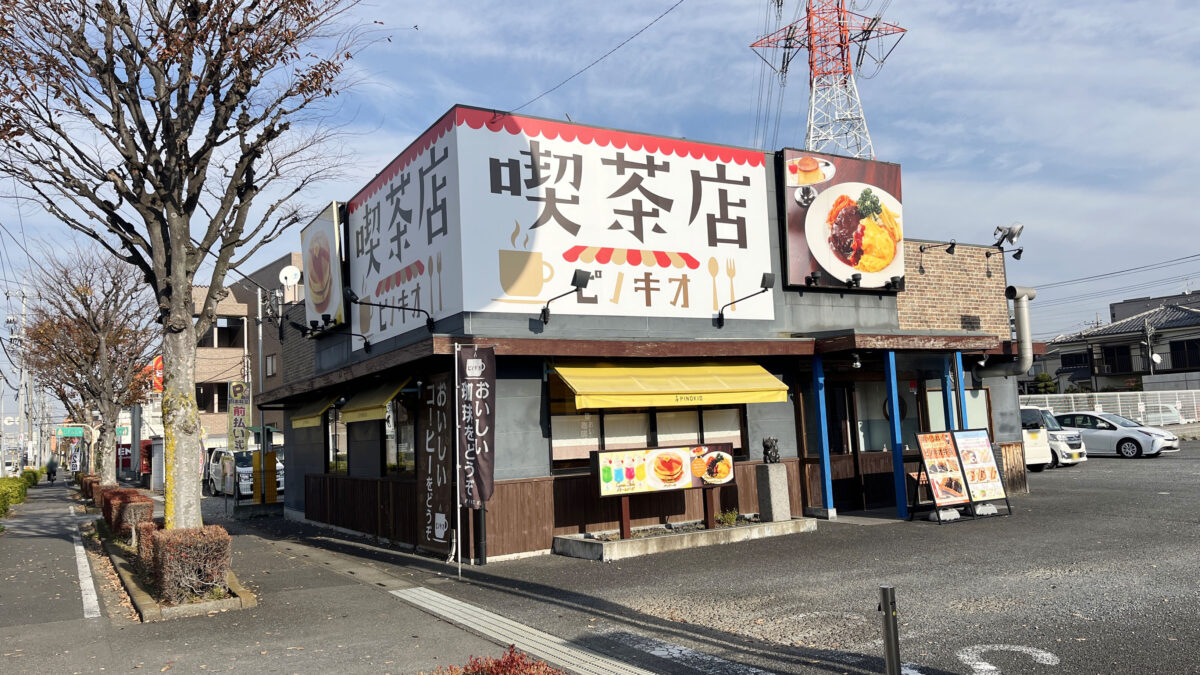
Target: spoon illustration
{"points": [[714, 268]]}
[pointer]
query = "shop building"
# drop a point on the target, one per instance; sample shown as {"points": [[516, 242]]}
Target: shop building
{"points": [[638, 292]]}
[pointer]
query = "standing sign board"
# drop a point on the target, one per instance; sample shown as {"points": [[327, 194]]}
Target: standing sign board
{"points": [[945, 474], [476, 375], [979, 465], [435, 466], [238, 421]]}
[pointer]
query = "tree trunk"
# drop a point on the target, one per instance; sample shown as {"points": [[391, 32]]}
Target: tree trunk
{"points": [[182, 451], [106, 457]]}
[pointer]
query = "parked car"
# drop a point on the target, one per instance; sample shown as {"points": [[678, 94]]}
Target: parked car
{"points": [[243, 463], [1109, 434], [1038, 455], [1158, 415], [1067, 447]]}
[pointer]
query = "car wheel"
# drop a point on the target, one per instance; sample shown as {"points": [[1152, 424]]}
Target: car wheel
{"points": [[1129, 448], [1037, 468], [1053, 459]]}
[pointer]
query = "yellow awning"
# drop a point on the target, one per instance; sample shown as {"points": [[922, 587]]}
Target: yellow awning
{"points": [[310, 415], [371, 404], [609, 385]]}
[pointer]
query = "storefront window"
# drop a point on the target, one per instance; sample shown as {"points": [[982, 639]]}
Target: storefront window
{"points": [[574, 437], [400, 439], [678, 427], [724, 425], [626, 431], [337, 461]]}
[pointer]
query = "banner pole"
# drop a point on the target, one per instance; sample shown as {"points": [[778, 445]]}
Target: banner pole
{"points": [[457, 468]]}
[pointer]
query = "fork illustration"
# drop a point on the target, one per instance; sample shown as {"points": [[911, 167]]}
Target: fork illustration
{"points": [[729, 272]]}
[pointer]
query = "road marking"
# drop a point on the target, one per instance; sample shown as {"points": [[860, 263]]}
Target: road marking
{"points": [[91, 605], [973, 657], [698, 661], [553, 650]]}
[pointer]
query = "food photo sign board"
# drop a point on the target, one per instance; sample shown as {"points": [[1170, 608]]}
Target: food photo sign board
{"points": [[942, 466], [491, 212], [627, 472], [844, 217], [979, 464], [321, 252]]}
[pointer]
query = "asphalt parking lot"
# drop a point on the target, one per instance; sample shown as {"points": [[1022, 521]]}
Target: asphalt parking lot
{"points": [[1097, 571]]}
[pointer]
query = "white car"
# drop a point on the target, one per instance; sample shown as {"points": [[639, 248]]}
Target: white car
{"points": [[1154, 414], [243, 464], [1066, 445], [1036, 440], [1109, 434]]}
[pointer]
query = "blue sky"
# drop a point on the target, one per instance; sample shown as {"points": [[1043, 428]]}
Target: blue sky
{"points": [[1078, 119]]}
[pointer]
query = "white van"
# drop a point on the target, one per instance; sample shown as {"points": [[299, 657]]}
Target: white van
{"points": [[239, 481], [1037, 440]]}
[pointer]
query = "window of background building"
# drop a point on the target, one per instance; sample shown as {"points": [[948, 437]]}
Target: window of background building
{"points": [[212, 397], [230, 331], [271, 364], [1078, 360], [1185, 354]]}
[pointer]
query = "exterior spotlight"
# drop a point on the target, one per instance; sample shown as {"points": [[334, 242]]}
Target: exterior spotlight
{"points": [[855, 281], [949, 247], [767, 283], [1017, 252], [1009, 233], [813, 279], [1017, 255], [893, 284], [578, 281], [855, 362]]}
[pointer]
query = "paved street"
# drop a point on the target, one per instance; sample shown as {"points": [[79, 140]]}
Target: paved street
{"points": [[1097, 572]]}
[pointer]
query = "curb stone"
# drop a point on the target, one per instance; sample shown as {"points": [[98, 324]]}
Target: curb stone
{"points": [[150, 610]]}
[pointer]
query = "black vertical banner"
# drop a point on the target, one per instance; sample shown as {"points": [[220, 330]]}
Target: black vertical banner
{"points": [[476, 405], [435, 466]]}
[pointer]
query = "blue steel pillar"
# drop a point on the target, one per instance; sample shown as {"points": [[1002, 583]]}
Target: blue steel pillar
{"points": [[893, 398], [823, 436], [962, 398], [948, 394]]}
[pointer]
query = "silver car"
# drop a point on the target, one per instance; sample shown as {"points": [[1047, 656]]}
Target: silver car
{"points": [[1109, 434]]}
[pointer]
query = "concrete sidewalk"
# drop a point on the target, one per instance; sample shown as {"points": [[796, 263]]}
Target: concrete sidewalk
{"points": [[310, 618]]}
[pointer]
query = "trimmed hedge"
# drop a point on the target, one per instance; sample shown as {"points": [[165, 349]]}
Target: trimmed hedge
{"points": [[144, 541], [87, 483], [124, 508], [190, 562], [12, 491], [30, 476]]}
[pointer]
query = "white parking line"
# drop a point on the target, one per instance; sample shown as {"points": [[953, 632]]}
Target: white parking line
{"points": [[91, 605], [698, 661]]}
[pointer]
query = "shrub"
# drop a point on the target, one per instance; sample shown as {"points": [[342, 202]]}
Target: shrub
{"points": [[727, 518], [87, 483], [190, 562], [12, 491], [512, 662], [125, 507], [30, 477], [144, 541]]}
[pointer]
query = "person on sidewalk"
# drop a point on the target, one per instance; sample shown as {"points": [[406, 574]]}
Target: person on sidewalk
{"points": [[52, 470]]}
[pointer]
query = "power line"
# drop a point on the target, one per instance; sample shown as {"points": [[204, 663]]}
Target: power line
{"points": [[1130, 270], [605, 56]]}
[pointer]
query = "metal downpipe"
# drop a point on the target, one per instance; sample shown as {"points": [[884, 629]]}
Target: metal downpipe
{"points": [[1020, 295]]}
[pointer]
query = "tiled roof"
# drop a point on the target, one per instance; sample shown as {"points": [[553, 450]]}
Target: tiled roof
{"points": [[1160, 318]]}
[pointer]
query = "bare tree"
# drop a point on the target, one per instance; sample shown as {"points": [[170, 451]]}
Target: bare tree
{"points": [[173, 133], [90, 339]]}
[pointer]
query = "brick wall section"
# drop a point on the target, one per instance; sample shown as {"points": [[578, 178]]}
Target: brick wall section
{"points": [[945, 292], [299, 355]]}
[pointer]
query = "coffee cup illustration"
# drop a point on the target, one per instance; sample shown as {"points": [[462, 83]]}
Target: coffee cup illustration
{"points": [[474, 367], [523, 273], [440, 525]]}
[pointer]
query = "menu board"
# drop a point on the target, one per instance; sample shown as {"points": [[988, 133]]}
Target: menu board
{"points": [[979, 465], [627, 472], [941, 464]]}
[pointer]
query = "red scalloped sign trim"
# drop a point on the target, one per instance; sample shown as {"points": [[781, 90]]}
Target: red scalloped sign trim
{"points": [[630, 256], [408, 273], [551, 130]]}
